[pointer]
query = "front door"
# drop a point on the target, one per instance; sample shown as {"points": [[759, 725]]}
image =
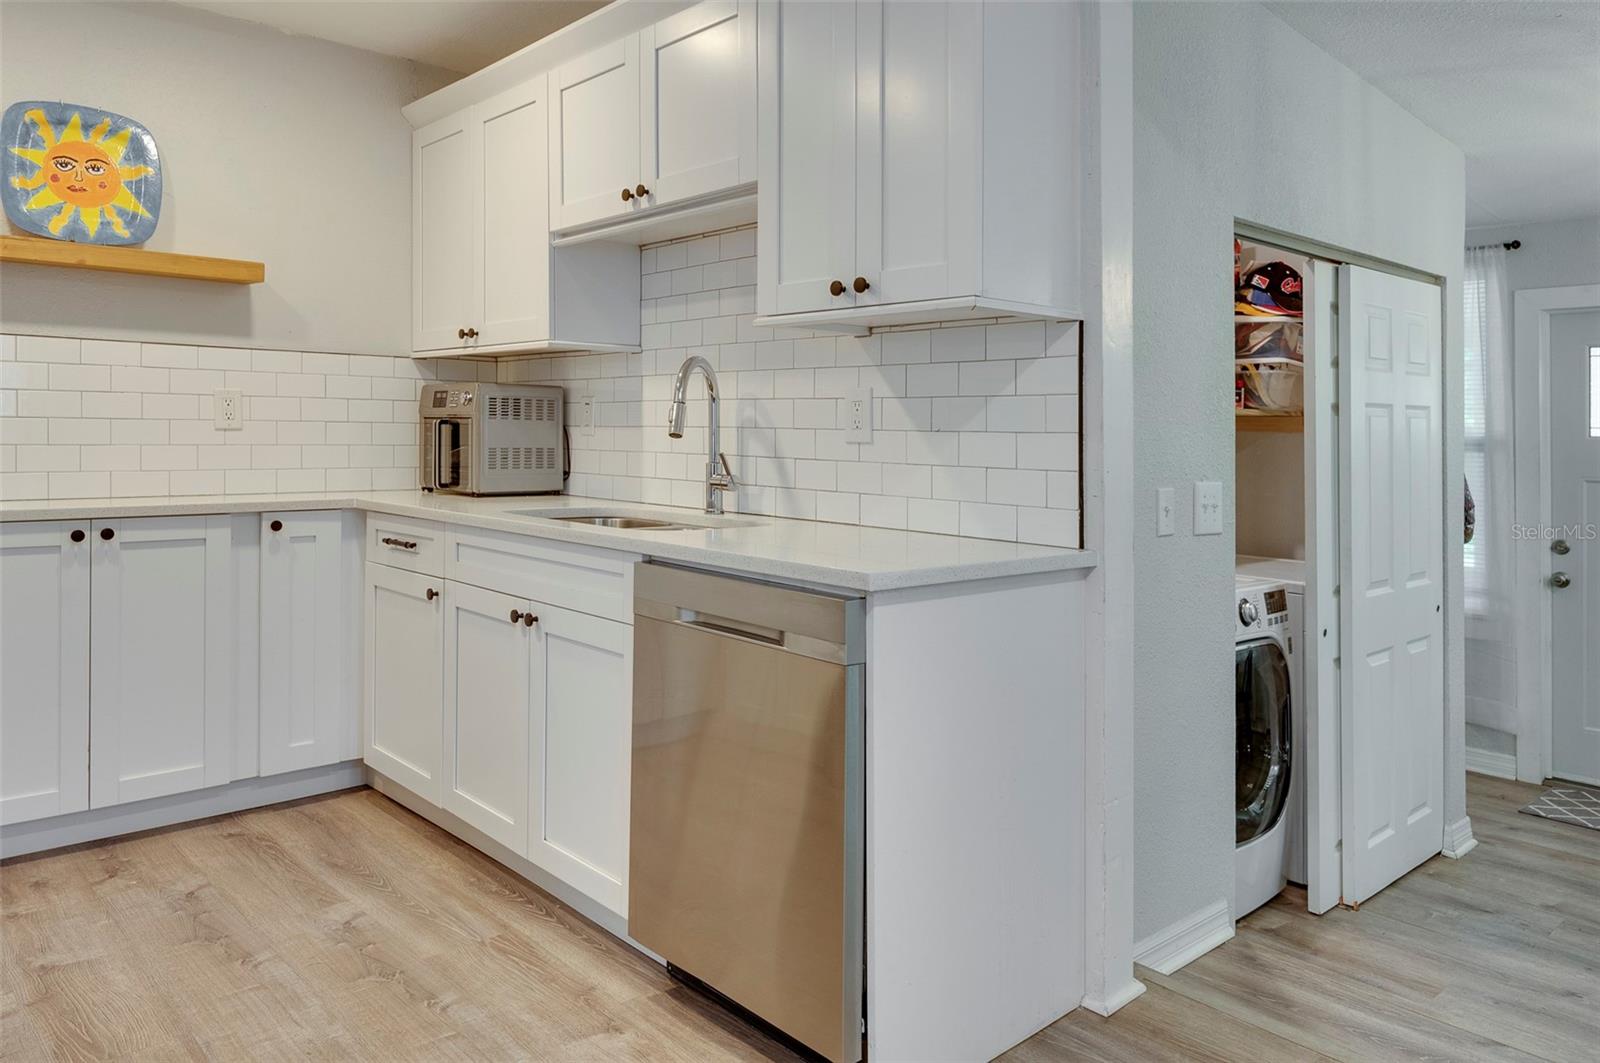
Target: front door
{"points": [[1575, 575], [1391, 445]]}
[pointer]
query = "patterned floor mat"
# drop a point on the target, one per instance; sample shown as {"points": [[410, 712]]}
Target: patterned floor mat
{"points": [[1567, 804]]}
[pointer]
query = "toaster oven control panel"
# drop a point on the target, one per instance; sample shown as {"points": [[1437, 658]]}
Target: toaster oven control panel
{"points": [[453, 400]]}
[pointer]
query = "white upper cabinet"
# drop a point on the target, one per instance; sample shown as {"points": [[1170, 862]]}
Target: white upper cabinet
{"points": [[594, 136], [918, 162], [807, 241], [442, 205], [44, 670], [512, 217], [485, 279], [310, 641], [161, 679], [697, 113]]}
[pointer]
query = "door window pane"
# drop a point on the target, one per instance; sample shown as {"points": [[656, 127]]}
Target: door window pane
{"points": [[1594, 392]]}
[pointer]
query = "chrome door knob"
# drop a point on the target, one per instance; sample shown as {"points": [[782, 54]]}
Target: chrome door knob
{"points": [[1560, 548], [1247, 612], [1561, 581]]}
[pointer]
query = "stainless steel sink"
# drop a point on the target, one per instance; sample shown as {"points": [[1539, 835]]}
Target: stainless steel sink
{"points": [[628, 523]]}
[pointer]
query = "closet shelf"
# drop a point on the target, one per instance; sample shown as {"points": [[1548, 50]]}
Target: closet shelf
{"points": [[1269, 422], [1266, 319]]}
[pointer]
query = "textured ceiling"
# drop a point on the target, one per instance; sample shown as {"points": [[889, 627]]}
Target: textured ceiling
{"points": [[456, 35], [1515, 84]]}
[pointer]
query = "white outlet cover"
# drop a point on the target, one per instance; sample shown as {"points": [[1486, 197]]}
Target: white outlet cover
{"points": [[586, 415], [1166, 511], [858, 415], [227, 407], [1207, 507]]}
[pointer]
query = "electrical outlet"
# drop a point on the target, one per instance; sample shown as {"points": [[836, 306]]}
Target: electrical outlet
{"points": [[1166, 511], [586, 415], [227, 404], [1207, 507], [858, 415]]}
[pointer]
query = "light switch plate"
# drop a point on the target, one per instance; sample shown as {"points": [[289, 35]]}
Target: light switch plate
{"points": [[1166, 511], [227, 407], [858, 415], [1207, 507]]}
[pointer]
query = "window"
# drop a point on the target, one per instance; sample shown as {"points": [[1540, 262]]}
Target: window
{"points": [[1594, 392], [1475, 458]]}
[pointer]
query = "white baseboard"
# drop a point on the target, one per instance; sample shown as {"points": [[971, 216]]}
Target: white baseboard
{"points": [[1488, 762], [1113, 1001], [1187, 939], [19, 839], [1458, 839]]}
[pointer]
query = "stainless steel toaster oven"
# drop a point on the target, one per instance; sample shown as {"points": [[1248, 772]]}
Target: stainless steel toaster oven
{"points": [[492, 439]]}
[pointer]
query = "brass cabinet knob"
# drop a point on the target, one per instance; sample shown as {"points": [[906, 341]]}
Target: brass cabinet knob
{"points": [[627, 194], [641, 191], [472, 333], [107, 534], [836, 288], [860, 285], [516, 616], [528, 620], [461, 333], [276, 525], [432, 594]]}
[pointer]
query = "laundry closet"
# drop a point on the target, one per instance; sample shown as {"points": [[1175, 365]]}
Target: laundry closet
{"points": [[1339, 442]]}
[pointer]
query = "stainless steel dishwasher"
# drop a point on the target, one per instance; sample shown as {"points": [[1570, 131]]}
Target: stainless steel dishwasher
{"points": [[746, 867]]}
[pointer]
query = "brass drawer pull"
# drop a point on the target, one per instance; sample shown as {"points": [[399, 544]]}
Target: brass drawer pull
{"points": [[404, 544]]}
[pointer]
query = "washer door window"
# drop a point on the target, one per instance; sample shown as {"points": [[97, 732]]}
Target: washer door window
{"points": [[1261, 684]]}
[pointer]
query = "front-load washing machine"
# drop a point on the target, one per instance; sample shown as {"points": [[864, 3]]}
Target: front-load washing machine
{"points": [[1291, 572], [1263, 741]]}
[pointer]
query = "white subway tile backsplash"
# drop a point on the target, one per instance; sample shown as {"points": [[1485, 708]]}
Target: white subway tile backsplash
{"points": [[169, 356], [48, 349], [72, 377], [988, 378]]}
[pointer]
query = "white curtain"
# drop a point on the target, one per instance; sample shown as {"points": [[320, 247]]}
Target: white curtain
{"points": [[1490, 649]]}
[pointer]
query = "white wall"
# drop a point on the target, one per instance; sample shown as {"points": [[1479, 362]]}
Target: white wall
{"points": [[1239, 117], [287, 150], [976, 428]]}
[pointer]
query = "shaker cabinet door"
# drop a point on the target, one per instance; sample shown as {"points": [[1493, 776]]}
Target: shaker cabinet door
{"points": [[405, 677], [161, 671], [594, 136], [512, 225], [444, 303], [44, 670], [486, 652], [807, 206], [698, 101]]}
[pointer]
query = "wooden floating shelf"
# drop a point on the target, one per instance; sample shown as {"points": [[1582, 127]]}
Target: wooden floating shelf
{"points": [[64, 254], [1269, 422]]}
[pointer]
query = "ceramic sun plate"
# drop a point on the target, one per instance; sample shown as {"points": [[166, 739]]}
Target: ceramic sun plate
{"points": [[70, 172]]}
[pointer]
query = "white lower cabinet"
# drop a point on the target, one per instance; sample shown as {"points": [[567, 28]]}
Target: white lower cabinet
{"points": [[487, 665], [162, 629], [309, 641], [44, 669], [405, 677], [582, 720]]}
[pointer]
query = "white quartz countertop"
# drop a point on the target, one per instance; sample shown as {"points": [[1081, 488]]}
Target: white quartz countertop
{"points": [[804, 551]]}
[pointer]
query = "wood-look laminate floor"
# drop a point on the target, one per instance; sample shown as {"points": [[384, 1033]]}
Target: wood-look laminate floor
{"points": [[345, 927]]}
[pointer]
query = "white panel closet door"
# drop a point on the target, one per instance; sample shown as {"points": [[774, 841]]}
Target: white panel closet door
{"points": [[1392, 560]]}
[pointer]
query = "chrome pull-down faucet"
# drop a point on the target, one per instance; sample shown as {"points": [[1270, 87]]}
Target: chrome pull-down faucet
{"points": [[719, 474]]}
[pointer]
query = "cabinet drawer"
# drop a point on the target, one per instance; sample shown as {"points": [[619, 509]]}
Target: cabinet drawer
{"points": [[582, 578], [414, 545]]}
